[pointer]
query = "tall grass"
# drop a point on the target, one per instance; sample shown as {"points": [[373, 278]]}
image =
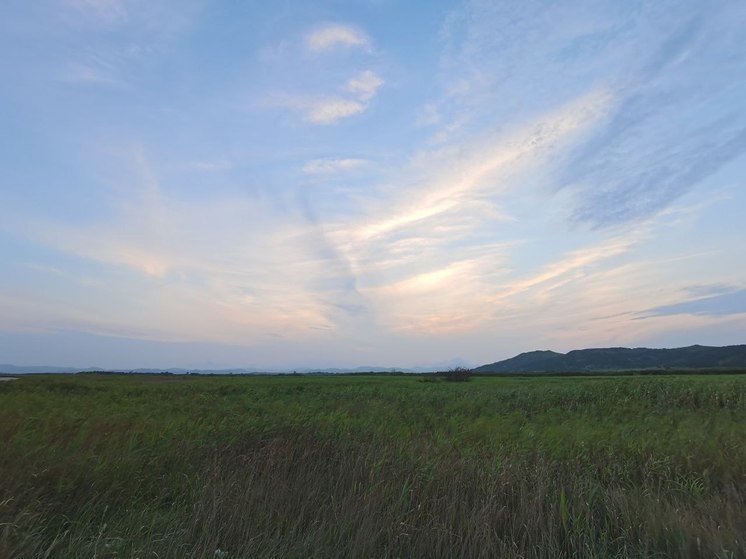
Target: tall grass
{"points": [[111, 466]]}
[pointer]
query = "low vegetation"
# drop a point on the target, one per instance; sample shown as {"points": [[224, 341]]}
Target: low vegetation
{"points": [[366, 466]]}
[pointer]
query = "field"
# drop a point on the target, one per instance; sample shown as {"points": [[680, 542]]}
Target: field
{"points": [[372, 466]]}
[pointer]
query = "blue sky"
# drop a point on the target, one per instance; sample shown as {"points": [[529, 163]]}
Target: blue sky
{"points": [[186, 183]]}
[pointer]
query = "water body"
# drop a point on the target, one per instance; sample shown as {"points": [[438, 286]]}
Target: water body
{"points": [[8, 378]]}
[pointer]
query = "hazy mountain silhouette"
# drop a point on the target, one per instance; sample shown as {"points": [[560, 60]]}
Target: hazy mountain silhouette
{"points": [[621, 358]]}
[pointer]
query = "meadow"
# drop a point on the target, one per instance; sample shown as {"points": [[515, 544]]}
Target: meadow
{"points": [[372, 466]]}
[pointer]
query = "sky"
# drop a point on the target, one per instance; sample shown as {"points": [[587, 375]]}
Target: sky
{"points": [[205, 184]]}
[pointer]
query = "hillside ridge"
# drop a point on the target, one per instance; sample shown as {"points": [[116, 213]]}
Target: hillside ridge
{"points": [[620, 359]]}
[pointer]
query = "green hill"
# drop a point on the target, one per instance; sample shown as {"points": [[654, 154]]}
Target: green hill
{"points": [[621, 358]]}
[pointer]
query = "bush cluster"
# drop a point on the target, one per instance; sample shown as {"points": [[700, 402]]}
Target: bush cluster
{"points": [[459, 374]]}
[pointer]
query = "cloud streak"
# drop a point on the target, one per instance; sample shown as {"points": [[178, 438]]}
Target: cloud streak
{"points": [[243, 280], [362, 89], [365, 85], [107, 11], [403, 247], [334, 166], [354, 99], [334, 36], [466, 175], [329, 111], [730, 302], [673, 125], [672, 129]]}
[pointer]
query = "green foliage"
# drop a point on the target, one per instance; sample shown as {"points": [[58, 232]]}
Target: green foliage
{"points": [[459, 374], [368, 466]]}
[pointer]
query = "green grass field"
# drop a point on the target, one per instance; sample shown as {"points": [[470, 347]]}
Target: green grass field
{"points": [[372, 466]]}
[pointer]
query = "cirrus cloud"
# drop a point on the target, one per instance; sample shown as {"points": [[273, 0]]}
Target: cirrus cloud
{"points": [[329, 111], [365, 85], [354, 99], [332, 166], [336, 35]]}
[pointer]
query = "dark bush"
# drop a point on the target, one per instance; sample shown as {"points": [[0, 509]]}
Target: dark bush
{"points": [[459, 374]]}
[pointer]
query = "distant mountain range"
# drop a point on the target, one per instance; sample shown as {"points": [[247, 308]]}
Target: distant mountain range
{"points": [[22, 369], [579, 360], [621, 359], [9, 369]]}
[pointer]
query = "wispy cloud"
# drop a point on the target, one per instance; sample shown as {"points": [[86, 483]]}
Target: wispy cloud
{"points": [[114, 39], [457, 176], [557, 273], [365, 85], [673, 127], [436, 231], [354, 99], [278, 275], [333, 166], [336, 35], [713, 301], [91, 73], [673, 124], [613, 195], [107, 11], [394, 258], [160, 18], [212, 165], [329, 111]]}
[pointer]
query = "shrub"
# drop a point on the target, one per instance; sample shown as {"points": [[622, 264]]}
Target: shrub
{"points": [[459, 374]]}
